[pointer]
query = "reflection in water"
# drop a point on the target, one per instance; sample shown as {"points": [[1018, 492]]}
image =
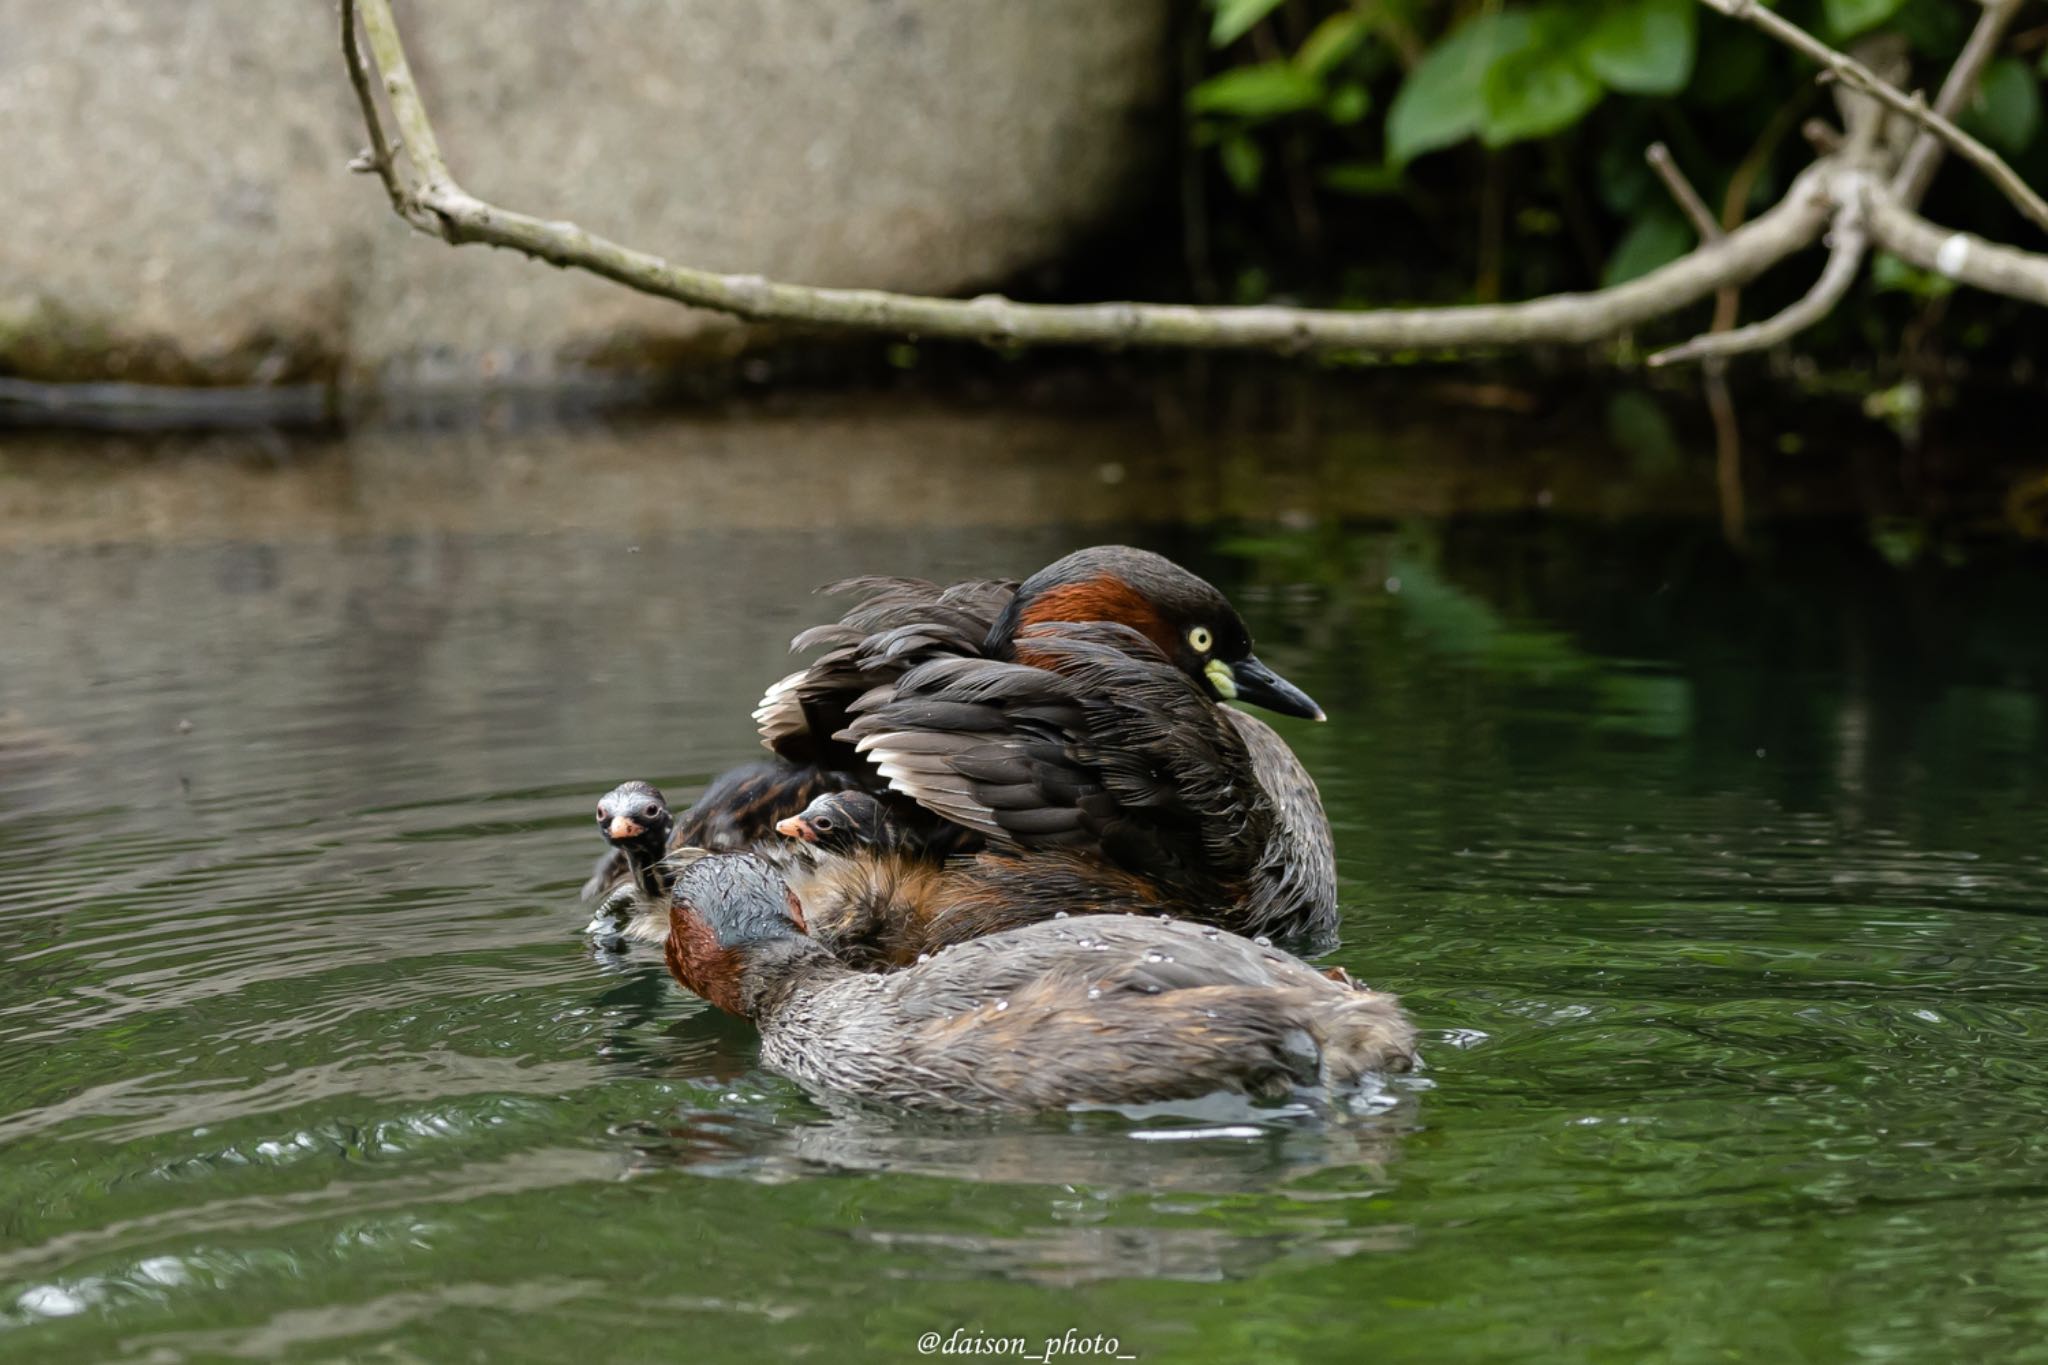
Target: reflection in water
{"points": [[1716, 884], [1190, 1171], [1223, 1146]]}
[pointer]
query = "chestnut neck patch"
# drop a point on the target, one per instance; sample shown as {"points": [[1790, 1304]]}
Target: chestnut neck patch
{"points": [[1102, 598]]}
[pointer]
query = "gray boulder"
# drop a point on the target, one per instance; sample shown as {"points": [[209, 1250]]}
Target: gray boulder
{"points": [[180, 209]]}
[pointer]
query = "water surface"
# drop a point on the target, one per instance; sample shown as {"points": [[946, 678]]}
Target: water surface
{"points": [[1715, 881]]}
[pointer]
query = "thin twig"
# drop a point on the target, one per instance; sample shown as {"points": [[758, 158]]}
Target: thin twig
{"points": [[1492, 228], [1923, 158], [422, 147], [1714, 376], [1735, 199], [1727, 453], [381, 157], [1822, 136], [1848, 242], [1742, 180], [1914, 106], [1688, 199]]}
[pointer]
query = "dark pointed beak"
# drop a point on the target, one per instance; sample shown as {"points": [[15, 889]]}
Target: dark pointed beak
{"points": [[1261, 686]]}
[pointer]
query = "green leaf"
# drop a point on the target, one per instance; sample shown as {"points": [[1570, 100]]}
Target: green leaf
{"points": [[1638, 425], [1656, 239], [1935, 28], [1542, 89], [1361, 178], [1850, 17], [1243, 162], [1348, 103], [1891, 275], [1332, 41], [1899, 542], [1733, 67], [1643, 47], [1441, 102], [1651, 707], [1267, 90], [1621, 176], [1235, 18], [2007, 110]]}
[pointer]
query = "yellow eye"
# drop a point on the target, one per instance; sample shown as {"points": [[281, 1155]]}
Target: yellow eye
{"points": [[1201, 639]]}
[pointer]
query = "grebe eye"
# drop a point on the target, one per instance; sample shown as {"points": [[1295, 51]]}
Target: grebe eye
{"points": [[601, 814], [651, 813], [823, 824], [1201, 639]]}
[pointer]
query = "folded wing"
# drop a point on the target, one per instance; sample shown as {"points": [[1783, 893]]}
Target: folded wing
{"points": [[897, 625], [1092, 740]]}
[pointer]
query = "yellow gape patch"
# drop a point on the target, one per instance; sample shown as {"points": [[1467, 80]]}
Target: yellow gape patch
{"points": [[1220, 676]]}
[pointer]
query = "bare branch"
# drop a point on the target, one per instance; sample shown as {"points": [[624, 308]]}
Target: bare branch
{"points": [[421, 145], [1854, 73], [437, 203], [1849, 241], [1714, 373], [379, 158], [1689, 201], [1923, 158], [1960, 256]]}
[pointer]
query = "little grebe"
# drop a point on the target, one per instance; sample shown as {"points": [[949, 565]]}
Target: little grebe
{"points": [[842, 822], [741, 806], [1055, 744], [634, 819], [630, 885], [876, 899], [1080, 710], [1099, 1009]]}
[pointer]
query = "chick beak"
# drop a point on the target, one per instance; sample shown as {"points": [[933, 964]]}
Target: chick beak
{"points": [[1261, 686], [796, 827], [623, 827]]}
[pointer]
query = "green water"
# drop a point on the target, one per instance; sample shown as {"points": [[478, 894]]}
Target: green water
{"points": [[1716, 883]]}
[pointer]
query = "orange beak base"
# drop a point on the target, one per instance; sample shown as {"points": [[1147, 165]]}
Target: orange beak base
{"points": [[624, 827], [796, 827]]}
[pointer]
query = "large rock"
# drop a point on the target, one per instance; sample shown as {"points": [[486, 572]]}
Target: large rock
{"points": [[179, 208]]}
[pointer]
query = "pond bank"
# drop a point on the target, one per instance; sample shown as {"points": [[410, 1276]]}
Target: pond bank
{"points": [[1135, 442]]}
